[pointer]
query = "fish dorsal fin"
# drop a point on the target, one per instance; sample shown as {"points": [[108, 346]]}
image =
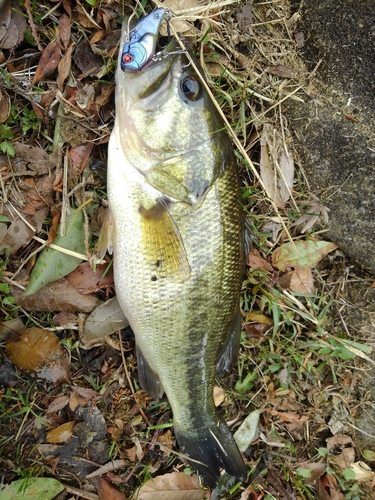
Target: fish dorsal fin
{"points": [[148, 380], [231, 347], [107, 235], [163, 245]]}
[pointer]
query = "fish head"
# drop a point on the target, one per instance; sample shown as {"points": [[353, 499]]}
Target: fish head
{"points": [[167, 125]]}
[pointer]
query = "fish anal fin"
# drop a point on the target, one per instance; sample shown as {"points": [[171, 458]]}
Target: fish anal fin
{"points": [[148, 380], [211, 449], [163, 244], [106, 235], [231, 347]]}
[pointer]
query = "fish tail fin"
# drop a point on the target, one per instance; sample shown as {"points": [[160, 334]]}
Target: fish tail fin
{"points": [[211, 449]]}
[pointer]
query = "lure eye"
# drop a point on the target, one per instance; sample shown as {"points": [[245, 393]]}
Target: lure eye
{"points": [[127, 58], [190, 87]]}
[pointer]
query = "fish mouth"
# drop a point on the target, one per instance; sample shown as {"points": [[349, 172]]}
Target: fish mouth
{"points": [[144, 46]]}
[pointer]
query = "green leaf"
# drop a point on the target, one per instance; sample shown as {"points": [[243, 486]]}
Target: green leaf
{"points": [[347, 473], [7, 148], [4, 218], [322, 452], [41, 488], [303, 472], [246, 384], [53, 264], [345, 354], [369, 455], [4, 288]]}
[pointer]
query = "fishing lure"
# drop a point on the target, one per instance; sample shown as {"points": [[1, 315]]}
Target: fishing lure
{"points": [[140, 46]]}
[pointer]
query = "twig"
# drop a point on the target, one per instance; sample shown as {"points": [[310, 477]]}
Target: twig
{"points": [[81, 493], [32, 25], [108, 467], [64, 207], [61, 249], [23, 218]]}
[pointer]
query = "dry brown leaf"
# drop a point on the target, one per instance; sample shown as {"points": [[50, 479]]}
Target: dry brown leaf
{"points": [[57, 404], [280, 70], [174, 486], [84, 17], [326, 488], [65, 319], [317, 469], [276, 165], [300, 281], [10, 328], [179, 24], [300, 39], [6, 14], [85, 280], [19, 234], [301, 254], [85, 59], [131, 453], [286, 164], [255, 261], [362, 472], [266, 171], [287, 416], [341, 447], [13, 25], [107, 491], [4, 106], [48, 63], [244, 17], [99, 35], [219, 395], [86, 392], [78, 159], [64, 68], [255, 331], [106, 319], [61, 434], [57, 296], [39, 353], [55, 223], [166, 440], [65, 29]]}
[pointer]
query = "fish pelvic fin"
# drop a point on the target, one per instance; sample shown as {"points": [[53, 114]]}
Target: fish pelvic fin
{"points": [[148, 380], [106, 235], [163, 243], [212, 449]]}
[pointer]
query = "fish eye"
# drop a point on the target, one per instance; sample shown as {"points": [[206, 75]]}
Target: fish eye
{"points": [[190, 87]]}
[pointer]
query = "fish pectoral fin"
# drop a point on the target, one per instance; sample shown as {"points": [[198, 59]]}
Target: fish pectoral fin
{"points": [[163, 244], [231, 347], [148, 380], [106, 235]]}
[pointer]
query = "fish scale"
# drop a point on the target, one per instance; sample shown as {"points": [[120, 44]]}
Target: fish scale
{"points": [[178, 248]]}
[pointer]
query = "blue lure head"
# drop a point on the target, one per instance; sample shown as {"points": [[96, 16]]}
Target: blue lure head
{"points": [[141, 43]]}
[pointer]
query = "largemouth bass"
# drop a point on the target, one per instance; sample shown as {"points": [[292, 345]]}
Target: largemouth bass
{"points": [[177, 236]]}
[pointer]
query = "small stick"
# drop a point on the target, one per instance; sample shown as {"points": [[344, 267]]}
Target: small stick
{"points": [[108, 467]]}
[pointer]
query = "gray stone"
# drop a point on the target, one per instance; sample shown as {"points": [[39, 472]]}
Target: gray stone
{"points": [[334, 130]]}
